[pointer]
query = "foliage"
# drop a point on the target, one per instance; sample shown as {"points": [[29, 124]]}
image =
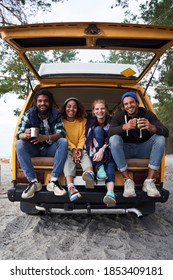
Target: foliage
{"points": [[14, 74], [160, 13], [13, 77], [157, 12], [164, 109], [64, 56], [17, 12], [123, 3]]}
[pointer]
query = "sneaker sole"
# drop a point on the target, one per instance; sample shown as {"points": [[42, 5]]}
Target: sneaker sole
{"points": [[75, 197], [151, 195], [127, 195], [37, 190], [28, 196], [61, 193], [101, 179], [89, 182], [109, 201]]}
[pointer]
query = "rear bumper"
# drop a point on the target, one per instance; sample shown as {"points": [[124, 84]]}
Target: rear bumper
{"points": [[90, 198]]}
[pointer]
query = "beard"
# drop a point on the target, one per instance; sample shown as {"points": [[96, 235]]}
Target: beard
{"points": [[43, 112]]}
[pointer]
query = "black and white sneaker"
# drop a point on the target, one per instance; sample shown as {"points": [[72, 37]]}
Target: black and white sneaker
{"points": [[54, 186], [31, 189]]}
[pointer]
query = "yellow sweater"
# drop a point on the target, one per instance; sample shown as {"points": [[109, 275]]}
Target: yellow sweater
{"points": [[75, 133]]}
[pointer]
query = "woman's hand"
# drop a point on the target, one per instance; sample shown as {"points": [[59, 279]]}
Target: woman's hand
{"points": [[76, 155], [99, 155], [79, 155]]}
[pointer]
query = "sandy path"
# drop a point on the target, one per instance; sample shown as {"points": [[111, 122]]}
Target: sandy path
{"points": [[73, 237]]}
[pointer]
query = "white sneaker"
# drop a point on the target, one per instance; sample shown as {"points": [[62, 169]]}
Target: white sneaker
{"points": [[129, 188], [31, 189], [150, 188], [55, 187]]}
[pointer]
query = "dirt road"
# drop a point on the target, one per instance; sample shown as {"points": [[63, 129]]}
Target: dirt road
{"points": [[81, 237]]}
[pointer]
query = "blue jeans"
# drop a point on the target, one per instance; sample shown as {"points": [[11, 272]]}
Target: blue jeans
{"points": [[109, 166], [25, 150], [110, 171], [153, 149], [99, 135]]}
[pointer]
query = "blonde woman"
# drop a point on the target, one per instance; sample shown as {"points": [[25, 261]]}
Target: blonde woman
{"points": [[97, 141]]}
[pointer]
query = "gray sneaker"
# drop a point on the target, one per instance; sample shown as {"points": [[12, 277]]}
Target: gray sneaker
{"points": [[31, 189], [129, 188], [88, 177], [150, 188], [55, 187]]}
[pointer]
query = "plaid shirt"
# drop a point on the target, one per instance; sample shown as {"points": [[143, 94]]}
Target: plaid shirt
{"points": [[26, 122]]}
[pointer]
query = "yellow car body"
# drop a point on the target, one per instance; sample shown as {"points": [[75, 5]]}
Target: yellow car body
{"points": [[96, 78]]}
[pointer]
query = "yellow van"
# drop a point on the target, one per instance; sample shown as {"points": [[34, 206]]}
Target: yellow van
{"points": [[91, 75]]}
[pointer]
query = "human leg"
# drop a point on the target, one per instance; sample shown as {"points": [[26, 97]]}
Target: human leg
{"points": [[99, 136], [110, 197], [153, 149], [88, 174], [25, 151], [157, 151], [70, 173], [117, 149], [58, 150]]}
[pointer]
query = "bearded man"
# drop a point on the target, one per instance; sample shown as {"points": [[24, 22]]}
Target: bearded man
{"points": [[50, 142], [136, 132]]}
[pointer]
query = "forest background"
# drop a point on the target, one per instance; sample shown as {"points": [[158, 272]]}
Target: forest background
{"points": [[13, 75]]}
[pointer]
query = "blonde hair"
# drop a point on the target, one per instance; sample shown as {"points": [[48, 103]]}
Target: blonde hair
{"points": [[103, 101]]}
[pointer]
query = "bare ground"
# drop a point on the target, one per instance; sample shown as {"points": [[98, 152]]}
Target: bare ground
{"points": [[81, 237]]}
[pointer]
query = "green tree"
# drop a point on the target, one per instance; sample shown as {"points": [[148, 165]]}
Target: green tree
{"points": [[14, 74], [157, 12], [18, 11], [64, 56], [160, 13]]}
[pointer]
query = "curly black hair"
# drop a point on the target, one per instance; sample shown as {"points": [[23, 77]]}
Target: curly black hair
{"points": [[52, 103], [81, 112]]}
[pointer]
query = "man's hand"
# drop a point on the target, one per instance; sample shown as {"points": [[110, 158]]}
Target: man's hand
{"points": [[25, 135], [39, 139], [145, 124], [131, 124]]}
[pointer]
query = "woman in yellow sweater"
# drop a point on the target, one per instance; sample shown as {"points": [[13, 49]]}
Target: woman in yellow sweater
{"points": [[73, 114]]}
